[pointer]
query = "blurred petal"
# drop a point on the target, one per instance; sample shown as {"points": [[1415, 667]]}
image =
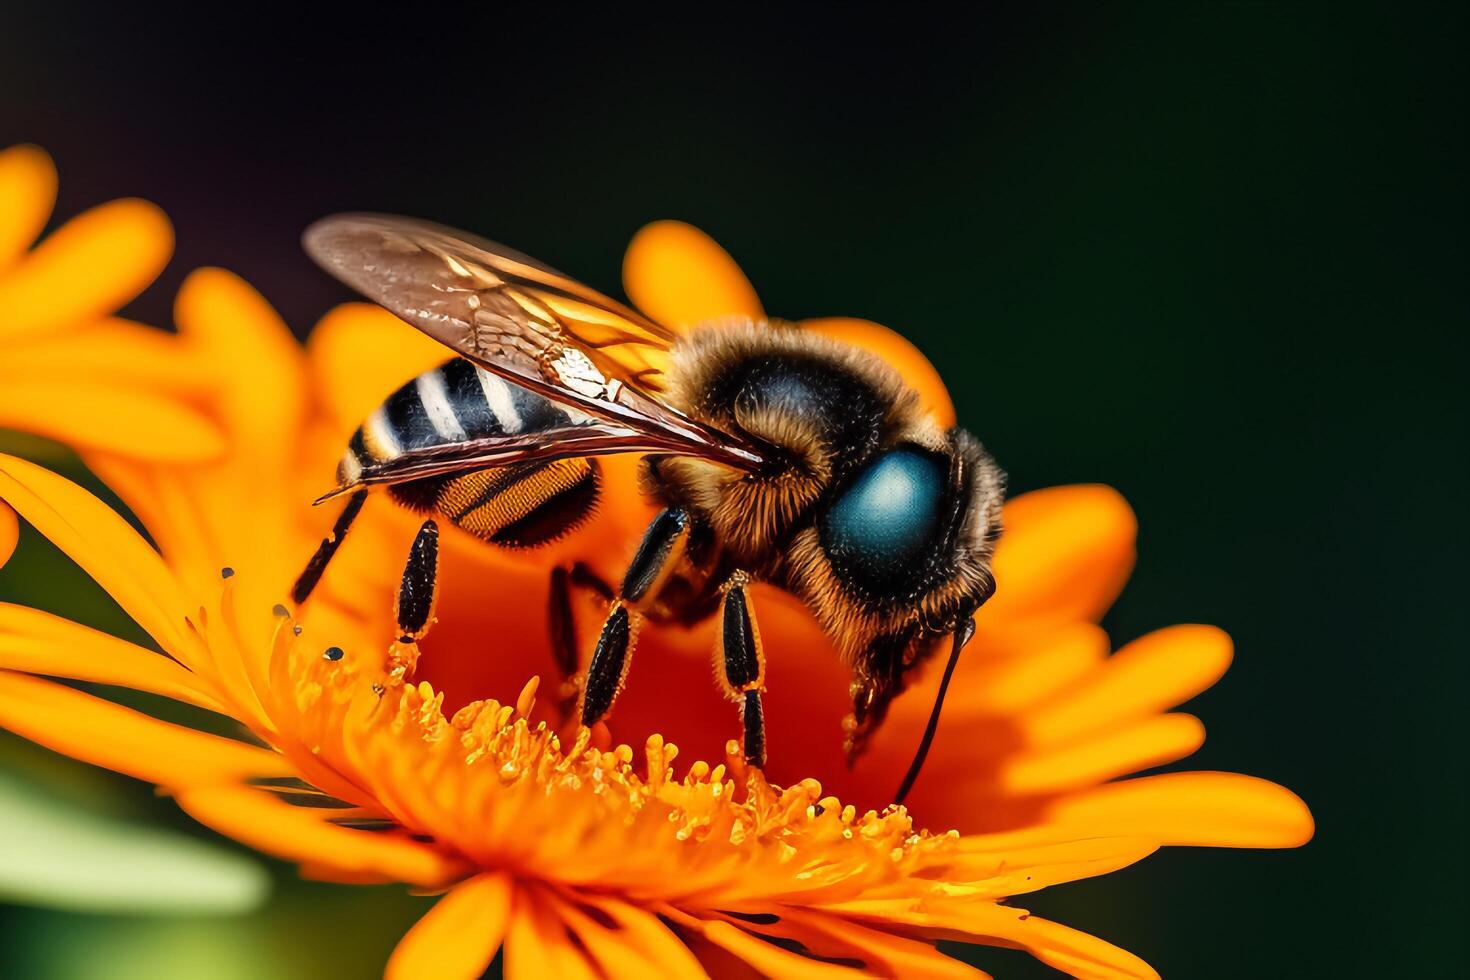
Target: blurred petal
{"points": [[117, 352], [302, 834], [27, 194], [37, 642], [105, 546], [536, 945], [1206, 809], [1065, 554], [459, 935], [262, 397], [1154, 672], [61, 856], [9, 533], [101, 417], [681, 277], [124, 740], [898, 353], [89, 267]]}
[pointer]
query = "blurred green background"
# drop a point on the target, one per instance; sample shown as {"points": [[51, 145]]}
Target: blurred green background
{"points": [[1214, 257]]}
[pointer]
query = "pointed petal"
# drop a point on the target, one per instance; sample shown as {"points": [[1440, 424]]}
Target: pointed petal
{"points": [[108, 549], [459, 935], [27, 194], [1065, 554], [1205, 809], [898, 353], [126, 741], [89, 267], [681, 277], [1154, 672], [37, 642], [1075, 953], [302, 834], [138, 423]]}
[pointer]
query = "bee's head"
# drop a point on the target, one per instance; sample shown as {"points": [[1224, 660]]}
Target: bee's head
{"points": [[912, 531]]}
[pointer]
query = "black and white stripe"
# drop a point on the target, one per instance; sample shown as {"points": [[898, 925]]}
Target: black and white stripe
{"points": [[455, 402]]}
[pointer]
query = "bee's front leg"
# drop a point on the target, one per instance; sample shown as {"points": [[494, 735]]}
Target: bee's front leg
{"points": [[658, 554], [743, 664], [414, 608]]}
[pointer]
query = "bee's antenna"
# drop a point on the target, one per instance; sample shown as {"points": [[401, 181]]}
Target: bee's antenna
{"points": [[962, 634]]}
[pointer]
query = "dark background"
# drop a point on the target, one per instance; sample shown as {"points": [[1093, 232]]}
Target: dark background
{"points": [[1213, 257]]}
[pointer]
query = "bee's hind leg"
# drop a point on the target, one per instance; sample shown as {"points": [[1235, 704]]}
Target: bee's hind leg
{"points": [[743, 665], [414, 608], [659, 552]]}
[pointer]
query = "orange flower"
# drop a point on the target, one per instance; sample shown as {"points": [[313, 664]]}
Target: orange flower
{"points": [[583, 856]]}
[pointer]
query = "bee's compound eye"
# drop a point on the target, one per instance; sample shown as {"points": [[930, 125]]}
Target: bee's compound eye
{"points": [[880, 530]]}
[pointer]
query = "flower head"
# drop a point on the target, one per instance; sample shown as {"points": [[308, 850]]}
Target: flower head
{"points": [[647, 847]]}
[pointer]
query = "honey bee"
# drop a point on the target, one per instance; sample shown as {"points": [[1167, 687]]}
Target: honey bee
{"points": [[777, 456]]}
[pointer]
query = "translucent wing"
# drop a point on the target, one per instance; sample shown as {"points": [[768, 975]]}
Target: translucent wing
{"points": [[523, 321], [584, 437]]}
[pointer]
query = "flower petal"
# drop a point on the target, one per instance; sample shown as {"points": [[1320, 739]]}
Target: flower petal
{"points": [[126, 741], [108, 549], [119, 352], [88, 267], [537, 945], [139, 423], [1065, 554], [1154, 672], [1204, 809], [615, 954], [301, 834], [644, 931], [27, 194], [898, 353], [37, 642], [459, 935], [837, 940], [1097, 758], [681, 277], [765, 958], [9, 533]]}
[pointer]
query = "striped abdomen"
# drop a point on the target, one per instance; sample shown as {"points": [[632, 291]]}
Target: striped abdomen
{"points": [[515, 506]]}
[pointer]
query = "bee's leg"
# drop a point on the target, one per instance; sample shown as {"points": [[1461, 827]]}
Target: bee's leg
{"points": [[312, 574], [414, 609], [658, 554], [744, 665]]}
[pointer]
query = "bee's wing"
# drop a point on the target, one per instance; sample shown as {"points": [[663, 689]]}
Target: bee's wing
{"points": [[579, 437], [526, 322]]}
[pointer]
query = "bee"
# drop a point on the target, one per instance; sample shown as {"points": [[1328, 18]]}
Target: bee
{"points": [[776, 455]]}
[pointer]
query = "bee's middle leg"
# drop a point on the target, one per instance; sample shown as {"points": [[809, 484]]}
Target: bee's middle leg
{"points": [[743, 663], [658, 554], [414, 608]]}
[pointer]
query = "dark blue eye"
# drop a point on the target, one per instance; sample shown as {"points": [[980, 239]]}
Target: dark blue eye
{"points": [[879, 531]]}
